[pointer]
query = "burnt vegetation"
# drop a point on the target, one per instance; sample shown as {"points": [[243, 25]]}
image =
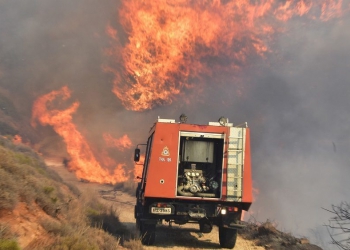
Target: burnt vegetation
{"points": [[339, 225], [266, 235]]}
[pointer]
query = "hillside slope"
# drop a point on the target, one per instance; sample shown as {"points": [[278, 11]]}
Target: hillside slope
{"points": [[38, 210]]}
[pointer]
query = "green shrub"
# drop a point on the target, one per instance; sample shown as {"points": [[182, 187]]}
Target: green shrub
{"points": [[7, 241], [92, 212], [6, 244], [48, 189], [24, 159]]}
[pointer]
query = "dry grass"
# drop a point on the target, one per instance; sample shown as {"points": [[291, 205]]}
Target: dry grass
{"points": [[88, 225], [134, 244], [25, 177], [7, 239], [128, 187], [76, 221]]}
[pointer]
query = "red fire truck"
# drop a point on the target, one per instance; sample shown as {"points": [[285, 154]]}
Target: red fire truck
{"points": [[194, 174]]}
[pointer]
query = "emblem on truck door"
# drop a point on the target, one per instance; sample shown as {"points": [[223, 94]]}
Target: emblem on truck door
{"points": [[165, 151]]}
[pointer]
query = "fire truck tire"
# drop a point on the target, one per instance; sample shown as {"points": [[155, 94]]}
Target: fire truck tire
{"points": [[138, 189], [227, 237], [148, 233], [138, 226], [205, 227]]}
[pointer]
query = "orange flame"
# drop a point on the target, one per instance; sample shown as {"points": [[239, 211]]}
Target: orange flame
{"points": [[172, 42], [17, 139], [251, 212], [122, 143], [82, 162]]}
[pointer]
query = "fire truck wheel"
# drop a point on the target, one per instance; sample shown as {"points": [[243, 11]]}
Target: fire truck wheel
{"points": [[148, 233], [138, 226], [138, 189], [205, 227], [227, 237]]}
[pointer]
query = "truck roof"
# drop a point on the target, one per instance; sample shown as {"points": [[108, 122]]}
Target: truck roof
{"points": [[226, 123]]}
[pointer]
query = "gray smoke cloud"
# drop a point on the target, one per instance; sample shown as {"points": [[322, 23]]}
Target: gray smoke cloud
{"points": [[296, 101], [301, 149]]}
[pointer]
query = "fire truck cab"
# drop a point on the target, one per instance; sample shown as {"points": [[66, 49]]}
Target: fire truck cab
{"points": [[194, 174]]}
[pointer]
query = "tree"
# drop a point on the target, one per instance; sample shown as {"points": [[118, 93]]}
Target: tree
{"points": [[339, 225]]}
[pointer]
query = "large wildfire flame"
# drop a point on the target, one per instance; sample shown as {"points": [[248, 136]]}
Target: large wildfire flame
{"points": [[171, 46], [122, 143], [82, 162], [171, 43]]}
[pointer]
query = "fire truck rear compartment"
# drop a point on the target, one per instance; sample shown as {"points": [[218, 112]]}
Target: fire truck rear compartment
{"points": [[200, 166]]}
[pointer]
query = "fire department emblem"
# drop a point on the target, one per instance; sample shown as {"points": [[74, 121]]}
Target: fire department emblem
{"points": [[165, 151]]}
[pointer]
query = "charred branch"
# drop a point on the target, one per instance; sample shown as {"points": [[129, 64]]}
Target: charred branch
{"points": [[339, 225]]}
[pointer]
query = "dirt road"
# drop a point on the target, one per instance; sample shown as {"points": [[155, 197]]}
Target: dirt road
{"points": [[175, 237]]}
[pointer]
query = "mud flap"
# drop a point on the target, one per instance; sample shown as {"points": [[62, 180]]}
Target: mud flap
{"points": [[235, 226]]}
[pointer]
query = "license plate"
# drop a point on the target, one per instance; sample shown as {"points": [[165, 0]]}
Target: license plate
{"points": [[161, 210]]}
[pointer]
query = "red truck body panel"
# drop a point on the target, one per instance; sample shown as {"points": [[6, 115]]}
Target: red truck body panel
{"points": [[161, 179]]}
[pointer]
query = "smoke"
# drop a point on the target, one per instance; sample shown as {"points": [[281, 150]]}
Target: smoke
{"points": [[296, 100], [301, 160]]}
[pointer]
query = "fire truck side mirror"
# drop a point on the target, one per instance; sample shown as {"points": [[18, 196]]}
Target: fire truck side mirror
{"points": [[137, 155]]}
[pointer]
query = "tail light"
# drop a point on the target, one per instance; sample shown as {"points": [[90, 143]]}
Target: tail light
{"points": [[232, 209], [162, 205]]}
